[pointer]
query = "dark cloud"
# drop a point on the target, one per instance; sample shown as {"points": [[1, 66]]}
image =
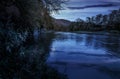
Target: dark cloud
{"points": [[93, 6]]}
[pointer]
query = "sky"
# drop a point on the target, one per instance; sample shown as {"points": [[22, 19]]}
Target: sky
{"points": [[86, 8]]}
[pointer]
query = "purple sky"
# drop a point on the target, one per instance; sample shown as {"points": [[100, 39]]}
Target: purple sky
{"points": [[86, 8]]}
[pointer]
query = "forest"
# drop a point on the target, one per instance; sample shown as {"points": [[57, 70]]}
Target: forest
{"points": [[100, 22]]}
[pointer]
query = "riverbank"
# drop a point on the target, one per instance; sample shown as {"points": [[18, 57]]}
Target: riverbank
{"points": [[113, 32], [99, 32]]}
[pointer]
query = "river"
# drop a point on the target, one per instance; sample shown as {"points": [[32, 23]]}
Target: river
{"points": [[64, 55], [86, 56]]}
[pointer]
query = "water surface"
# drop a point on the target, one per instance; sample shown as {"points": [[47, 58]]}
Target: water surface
{"points": [[86, 56]]}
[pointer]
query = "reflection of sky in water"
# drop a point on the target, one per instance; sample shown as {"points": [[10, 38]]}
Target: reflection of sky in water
{"points": [[73, 46], [84, 48], [72, 14], [78, 55]]}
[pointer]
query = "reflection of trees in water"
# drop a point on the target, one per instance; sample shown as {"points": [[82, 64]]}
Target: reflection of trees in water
{"points": [[110, 43], [113, 44], [28, 61], [60, 37], [91, 41], [95, 41], [64, 37]]}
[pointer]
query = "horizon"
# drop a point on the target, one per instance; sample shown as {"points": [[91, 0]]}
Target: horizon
{"points": [[86, 8]]}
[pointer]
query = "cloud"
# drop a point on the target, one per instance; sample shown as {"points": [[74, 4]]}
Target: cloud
{"points": [[92, 6], [95, 0]]}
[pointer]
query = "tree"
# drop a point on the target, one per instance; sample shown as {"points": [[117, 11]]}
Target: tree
{"points": [[13, 39], [37, 10], [98, 19]]}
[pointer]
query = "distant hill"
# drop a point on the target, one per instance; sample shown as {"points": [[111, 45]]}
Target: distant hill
{"points": [[62, 22]]}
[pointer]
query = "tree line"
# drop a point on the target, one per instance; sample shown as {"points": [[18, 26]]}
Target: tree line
{"points": [[99, 22]]}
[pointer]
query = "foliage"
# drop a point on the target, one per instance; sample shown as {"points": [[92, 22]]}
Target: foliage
{"points": [[98, 23], [18, 19]]}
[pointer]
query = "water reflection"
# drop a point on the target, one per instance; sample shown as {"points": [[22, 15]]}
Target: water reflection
{"points": [[28, 60], [78, 55], [58, 55]]}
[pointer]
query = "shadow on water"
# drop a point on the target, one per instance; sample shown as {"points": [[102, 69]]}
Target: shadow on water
{"points": [[28, 60]]}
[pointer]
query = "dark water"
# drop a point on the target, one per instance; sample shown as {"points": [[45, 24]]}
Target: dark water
{"points": [[86, 56], [62, 55], [28, 61]]}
